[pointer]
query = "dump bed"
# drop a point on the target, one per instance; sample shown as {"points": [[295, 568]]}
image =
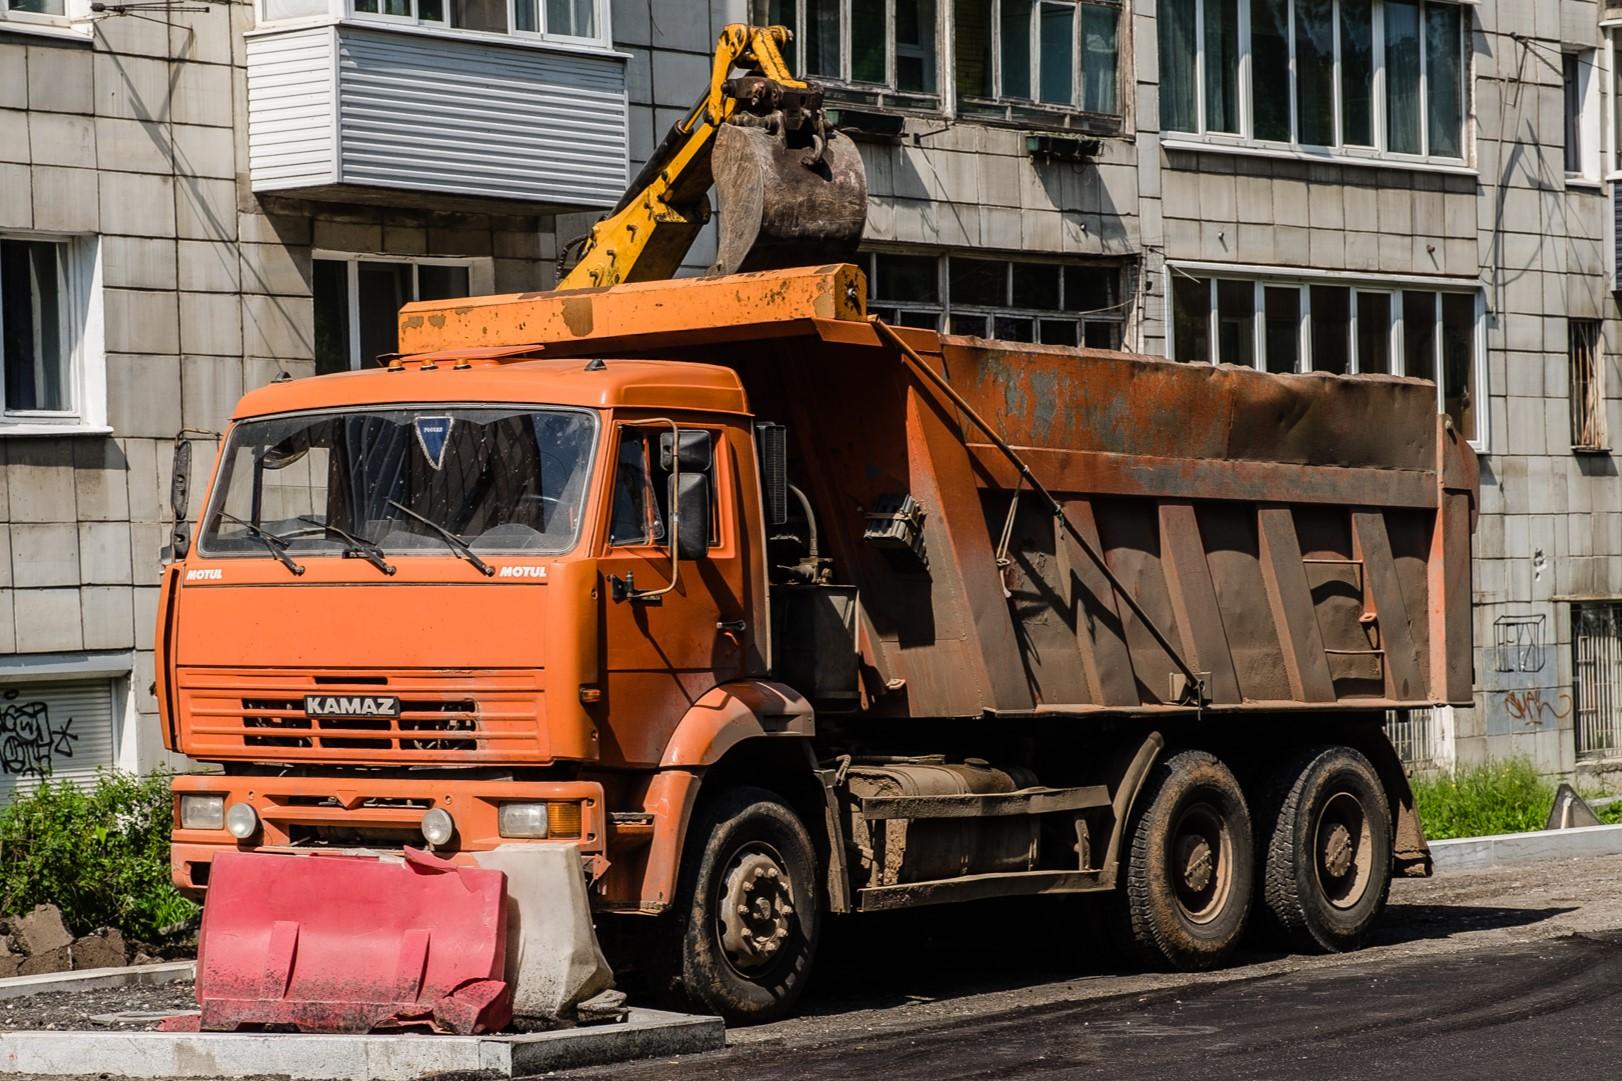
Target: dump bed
{"points": [[1295, 542]]}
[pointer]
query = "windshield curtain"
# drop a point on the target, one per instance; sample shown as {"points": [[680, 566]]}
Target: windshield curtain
{"points": [[503, 480]]}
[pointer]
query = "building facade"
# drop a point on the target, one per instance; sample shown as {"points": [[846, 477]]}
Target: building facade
{"points": [[192, 202]]}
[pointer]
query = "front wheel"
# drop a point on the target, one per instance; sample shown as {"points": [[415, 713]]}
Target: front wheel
{"points": [[1190, 869], [748, 909]]}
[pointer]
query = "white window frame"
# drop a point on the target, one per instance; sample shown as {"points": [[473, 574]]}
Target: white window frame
{"points": [[1246, 142], [344, 11], [1000, 95], [1393, 285], [1589, 120], [759, 11], [76, 20], [480, 280], [84, 379]]}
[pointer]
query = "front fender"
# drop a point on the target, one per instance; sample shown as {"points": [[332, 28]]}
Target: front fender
{"points": [[731, 713]]}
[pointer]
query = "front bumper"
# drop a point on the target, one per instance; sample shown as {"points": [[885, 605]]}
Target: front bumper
{"points": [[315, 814]]}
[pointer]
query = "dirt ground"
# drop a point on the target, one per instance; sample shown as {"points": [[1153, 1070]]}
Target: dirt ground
{"points": [[885, 977]]}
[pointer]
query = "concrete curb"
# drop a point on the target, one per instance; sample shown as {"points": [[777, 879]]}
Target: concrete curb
{"points": [[93, 979], [402, 1057], [1471, 853]]}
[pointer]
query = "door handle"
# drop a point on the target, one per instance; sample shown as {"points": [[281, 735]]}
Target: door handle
{"points": [[733, 626]]}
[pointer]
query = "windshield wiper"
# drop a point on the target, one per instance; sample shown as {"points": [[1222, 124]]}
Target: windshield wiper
{"points": [[359, 547], [274, 544], [460, 546]]}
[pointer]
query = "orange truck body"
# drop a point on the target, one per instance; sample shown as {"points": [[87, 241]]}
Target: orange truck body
{"points": [[1302, 542]]}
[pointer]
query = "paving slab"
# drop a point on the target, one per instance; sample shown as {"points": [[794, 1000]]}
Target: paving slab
{"points": [[1470, 853], [396, 1057], [93, 979]]}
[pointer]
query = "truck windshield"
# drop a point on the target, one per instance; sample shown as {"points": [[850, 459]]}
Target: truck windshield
{"points": [[500, 479]]}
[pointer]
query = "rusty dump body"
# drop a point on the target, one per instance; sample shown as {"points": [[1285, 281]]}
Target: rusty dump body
{"points": [[977, 613]]}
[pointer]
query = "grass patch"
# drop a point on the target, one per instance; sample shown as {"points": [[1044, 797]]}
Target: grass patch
{"points": [[1501, 797]]}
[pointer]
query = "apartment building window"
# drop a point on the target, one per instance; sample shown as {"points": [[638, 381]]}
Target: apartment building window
{"points": [[1284, 326], [1596, 645], [565, 20], [882, 50], [1586, 382], [1582, 114], [1364, 77], [1053, 303], [358, 301], [1043, 60], [51, 369]]}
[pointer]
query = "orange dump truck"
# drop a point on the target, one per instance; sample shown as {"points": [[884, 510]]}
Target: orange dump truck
{"points": [[753, 609]]}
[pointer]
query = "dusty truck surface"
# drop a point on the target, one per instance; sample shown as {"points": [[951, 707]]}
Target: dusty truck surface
{"points": [[747, 609]]}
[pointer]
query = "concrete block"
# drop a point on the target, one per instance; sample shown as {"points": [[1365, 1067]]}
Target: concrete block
{"points": [[145, 599], [62, 139], [260, 228], [59, 79], [202, 94], [140, 321], [109, 617], [644, 1034], [143, 398], [5, 560], [40, 480], [458, 241], [138, 204], [47, 620], [8, 621], [211, 324], [13, 75], [65, 200], [104, 553], [206, 209], [402, 240], [135, 37], [999, 180], [147, 541], [16, 197], [100, 491], [278, 269], [147, 502], [208, 266], [138, 262], [132, 87], [14, 135], [210, 387], [44, 554], [96, 979], [631, 23], [348, 236], [278, 327], [205, 152], [134, 146], [516, 238]]}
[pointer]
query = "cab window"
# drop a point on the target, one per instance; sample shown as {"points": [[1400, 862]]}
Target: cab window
{"points": [[642, 490]]}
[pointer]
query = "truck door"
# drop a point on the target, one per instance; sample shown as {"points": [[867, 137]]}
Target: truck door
{"points": [[662, 653]]}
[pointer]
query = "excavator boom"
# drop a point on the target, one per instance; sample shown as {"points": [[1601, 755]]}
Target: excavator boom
{"points": [[791, 190]]}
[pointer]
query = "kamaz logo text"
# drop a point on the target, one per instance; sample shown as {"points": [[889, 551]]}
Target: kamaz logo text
{"points": [[521, 572], [204, 574], [351, 705]]}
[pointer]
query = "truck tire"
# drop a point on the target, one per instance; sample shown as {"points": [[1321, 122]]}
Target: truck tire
{"points": [[747, 913], [1327, 866], [1190, 867]]}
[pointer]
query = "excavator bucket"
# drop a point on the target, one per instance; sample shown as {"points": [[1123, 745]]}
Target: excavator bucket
{"points": [[786, 206], [351, 944]]}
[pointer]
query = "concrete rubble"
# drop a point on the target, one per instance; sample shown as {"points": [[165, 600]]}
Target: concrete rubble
{"points": [[40, 942]]}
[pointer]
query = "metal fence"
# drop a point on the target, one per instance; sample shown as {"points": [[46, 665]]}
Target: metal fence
{"points": [[1597, 645], [1416, 734]]}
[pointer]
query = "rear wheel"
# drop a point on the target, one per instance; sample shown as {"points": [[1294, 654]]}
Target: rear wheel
{"points": [[1327, 868], [1190, 866], [748, 909]]}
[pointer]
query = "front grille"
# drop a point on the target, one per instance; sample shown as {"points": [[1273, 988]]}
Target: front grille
{"points": [[480, 716]]}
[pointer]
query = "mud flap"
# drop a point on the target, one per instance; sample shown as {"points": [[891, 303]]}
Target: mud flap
{"points": [[553, 960], [775, 210], [334, 943]]}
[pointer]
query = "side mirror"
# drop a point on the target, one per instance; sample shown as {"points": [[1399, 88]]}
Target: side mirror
{"points": [[180, 497], [690, 497], [695, 452]]}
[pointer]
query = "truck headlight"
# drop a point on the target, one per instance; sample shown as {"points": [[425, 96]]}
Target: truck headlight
{"points": [[438, 827], [241, 821], [522, 820], [202, 812]]}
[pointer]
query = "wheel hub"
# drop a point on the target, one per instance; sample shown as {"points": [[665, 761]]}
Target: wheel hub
{"points": [[1337, 854], [756, 907], [1343, 852], [1197, 862]]}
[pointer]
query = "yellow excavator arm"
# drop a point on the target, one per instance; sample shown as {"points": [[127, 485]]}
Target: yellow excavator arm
{"points": [[791, 190]]}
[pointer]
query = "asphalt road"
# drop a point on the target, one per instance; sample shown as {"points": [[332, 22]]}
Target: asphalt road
{"points": [[1514, 973]]}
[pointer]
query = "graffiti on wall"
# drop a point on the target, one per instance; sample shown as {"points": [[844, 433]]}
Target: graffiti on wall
{"points": [[30, 738]]}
